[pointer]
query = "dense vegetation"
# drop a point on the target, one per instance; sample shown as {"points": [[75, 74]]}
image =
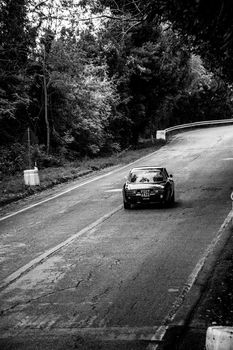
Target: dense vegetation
{"points": [[205, 24], [93, 84]]}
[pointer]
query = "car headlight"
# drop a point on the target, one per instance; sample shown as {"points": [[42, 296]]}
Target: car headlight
{"points": [[161, 187]]}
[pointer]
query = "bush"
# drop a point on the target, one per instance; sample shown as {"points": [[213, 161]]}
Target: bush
{"points": [[44, 160], [15, 158]]}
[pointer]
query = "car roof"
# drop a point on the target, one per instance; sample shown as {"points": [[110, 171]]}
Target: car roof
{"points": [[147, 168]]}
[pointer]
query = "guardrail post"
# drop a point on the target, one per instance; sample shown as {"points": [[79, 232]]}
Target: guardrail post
{"points": [[219, 338]]}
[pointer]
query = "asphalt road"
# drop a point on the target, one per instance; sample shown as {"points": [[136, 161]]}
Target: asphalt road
{"points": [[80, 272]]}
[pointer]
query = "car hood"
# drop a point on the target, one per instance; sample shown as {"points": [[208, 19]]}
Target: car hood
{"points": [[144, 186]]}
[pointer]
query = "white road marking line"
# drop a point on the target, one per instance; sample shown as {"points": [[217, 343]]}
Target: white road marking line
{"points": [[67, 209], [160, 333], [33, 263], [227, 159], [103, 333], [173, 290], [75, 187], [114, 190]]}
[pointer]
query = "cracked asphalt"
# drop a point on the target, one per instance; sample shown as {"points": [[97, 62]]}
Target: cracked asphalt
{"points": [[114, 285]]}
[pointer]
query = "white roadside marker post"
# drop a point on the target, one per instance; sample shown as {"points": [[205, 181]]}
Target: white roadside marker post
{"points": [[31, 177], [161, 135], [219, 338]]}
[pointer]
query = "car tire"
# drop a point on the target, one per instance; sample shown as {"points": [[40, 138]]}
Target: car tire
{"points": [[167, 198], [126, 205], [172, 200]]}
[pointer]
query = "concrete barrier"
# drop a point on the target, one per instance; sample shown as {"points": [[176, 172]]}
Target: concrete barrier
{"points": [[219, 338], [164, 134], [161, 135], [31, 177]]}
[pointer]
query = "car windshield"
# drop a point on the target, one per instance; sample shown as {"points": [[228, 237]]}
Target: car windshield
{"points": [[146, 176]]}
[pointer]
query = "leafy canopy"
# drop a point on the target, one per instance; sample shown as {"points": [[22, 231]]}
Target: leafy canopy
{"points": [[206, 24]]}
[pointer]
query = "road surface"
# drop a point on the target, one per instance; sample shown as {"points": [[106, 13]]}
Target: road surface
{"points": [[80, 272]]}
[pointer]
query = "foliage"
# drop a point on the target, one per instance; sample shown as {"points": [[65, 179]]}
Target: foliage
{"points": [[80, 95], [88, 90], [206, 104], [12, 158], [204, 23], [92, 109], [16, 39], [15, 158], [150, 65]]}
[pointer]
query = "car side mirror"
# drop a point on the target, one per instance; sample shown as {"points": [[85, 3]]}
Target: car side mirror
{"points": [[171, 175]]}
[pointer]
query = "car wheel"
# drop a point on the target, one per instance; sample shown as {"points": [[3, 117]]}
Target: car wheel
{"points": [[167, 198], [127, 205], [173, 198]]}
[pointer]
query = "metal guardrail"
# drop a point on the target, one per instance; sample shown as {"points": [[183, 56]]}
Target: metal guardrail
{"points": [[162, 134]]}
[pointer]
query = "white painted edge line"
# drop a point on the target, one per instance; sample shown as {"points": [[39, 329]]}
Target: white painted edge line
{"points": [[103, 333], [114, 190], [33, 263], [75, 187], [161, 331]]}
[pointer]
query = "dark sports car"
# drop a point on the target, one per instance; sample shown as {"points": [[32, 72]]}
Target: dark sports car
{"points": [[148, 184]]}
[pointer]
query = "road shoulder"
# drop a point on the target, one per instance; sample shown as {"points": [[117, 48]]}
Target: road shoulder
{"points": [[209, 301]]}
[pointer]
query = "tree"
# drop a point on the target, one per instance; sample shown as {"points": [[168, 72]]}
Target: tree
{"points": [[207, 25], [17, 38], [92, 110], [150, 65], [79, 93]]}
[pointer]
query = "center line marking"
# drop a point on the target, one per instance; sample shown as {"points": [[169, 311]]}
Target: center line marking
{"points": [[114, 190], [33, 263]]}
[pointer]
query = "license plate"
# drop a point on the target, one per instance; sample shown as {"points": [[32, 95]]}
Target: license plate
{"points": [[145, 193]]}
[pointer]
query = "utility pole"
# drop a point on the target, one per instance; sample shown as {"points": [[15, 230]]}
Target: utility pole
{"points": [[29, 146]]}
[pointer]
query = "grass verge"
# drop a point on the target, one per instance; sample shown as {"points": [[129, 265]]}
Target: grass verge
{"points": [[12, 188]]}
